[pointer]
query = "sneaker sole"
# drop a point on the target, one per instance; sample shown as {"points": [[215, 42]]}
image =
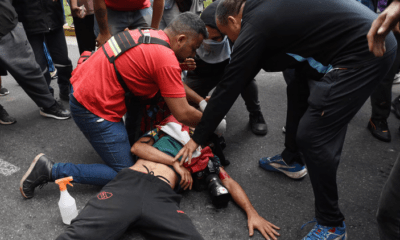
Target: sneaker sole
{"points": [[7, 123], [27, 174], [3, 94], [294, 175], [53, 116]]}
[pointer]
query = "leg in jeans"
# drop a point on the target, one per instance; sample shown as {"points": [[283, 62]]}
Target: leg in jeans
{"points": [[17, 57], [57, 45], [84, 33], [388, 214], [333, 102], [109, 139], [36, 41], [297, 95]]}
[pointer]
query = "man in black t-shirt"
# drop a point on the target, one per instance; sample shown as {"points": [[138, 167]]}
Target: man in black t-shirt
{"points": [[325, 42], [16, 56]]}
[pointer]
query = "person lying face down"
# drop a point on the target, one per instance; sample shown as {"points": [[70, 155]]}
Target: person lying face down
{"points": [[142, 196]]}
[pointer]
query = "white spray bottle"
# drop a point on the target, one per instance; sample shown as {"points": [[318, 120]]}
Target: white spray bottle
{"points": [[67, 203]]}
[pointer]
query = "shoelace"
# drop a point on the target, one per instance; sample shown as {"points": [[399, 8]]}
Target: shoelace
{"points": [[314, 231], [152, 173], [42, 185]]}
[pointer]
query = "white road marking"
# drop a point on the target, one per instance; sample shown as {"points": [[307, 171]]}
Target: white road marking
{"points": [[7, 168]]}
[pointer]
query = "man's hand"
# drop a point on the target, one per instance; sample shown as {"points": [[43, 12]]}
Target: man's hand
{"points": [[381, 27], [79, 12], [266, 228], [189, 64], [102, 38], [186, 152], [186, 177]]}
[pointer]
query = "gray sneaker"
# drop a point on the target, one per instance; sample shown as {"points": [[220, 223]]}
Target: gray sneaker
{"points": [[5, 118]]}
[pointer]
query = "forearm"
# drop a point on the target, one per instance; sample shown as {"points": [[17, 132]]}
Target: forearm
{"points": [[239, 196], [191, 95], [100, 11], [151, 153], [158, 10], [74, 4]]}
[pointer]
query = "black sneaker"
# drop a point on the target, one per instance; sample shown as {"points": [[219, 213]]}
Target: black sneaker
{"points": [[56, 111], [396, 106], [380, 130], [38, 174], [5, 118], [3, 91], [257, 123]]}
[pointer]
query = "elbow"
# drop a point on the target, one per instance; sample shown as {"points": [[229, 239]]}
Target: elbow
{"points": [[134, 149]]}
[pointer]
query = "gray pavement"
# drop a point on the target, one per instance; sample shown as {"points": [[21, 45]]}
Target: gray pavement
{"points": [[365, 165]]}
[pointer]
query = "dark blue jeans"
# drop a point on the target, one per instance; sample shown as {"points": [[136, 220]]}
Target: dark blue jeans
{"points": [[109, 139]]}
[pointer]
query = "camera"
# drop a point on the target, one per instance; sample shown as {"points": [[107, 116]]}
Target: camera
{"points": [[208, 179]]}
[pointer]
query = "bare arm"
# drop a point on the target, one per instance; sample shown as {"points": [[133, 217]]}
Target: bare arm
{"points": [[191, 95], [183, 112], [254, 221], [144, 149], [381, 27], [100, 11], [158, 10]]}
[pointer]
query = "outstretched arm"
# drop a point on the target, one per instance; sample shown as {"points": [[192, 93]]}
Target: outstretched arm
{"points": [[254, 221], [381, 27], [144, 149]]}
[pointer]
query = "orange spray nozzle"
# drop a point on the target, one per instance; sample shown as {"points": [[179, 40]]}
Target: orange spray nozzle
{"points": [[62, 183]]}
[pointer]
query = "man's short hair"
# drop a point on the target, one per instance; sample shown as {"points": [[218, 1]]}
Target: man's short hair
{"points": [[188, 23], [227, 8]]}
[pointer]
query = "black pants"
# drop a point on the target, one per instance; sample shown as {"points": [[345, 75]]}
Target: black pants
{"points": [[17, 57], [381, 98], [332, 103], [85, 33], [203, 85], [297, 94], [57, 46], [133, 199]]}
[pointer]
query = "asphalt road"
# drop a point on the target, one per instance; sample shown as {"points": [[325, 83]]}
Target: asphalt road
{"points": [[365, 165]]}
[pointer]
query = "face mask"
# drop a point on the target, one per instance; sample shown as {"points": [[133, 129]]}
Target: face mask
{"points": [[212, 52]]}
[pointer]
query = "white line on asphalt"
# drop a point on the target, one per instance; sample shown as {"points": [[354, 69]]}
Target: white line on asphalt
{"points": [[7, 168]]}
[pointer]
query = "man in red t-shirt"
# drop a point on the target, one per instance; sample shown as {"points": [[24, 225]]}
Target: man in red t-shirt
{"points": [[98, 100], [114, 16]]}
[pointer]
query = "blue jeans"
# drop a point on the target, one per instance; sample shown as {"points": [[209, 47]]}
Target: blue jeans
{"points": [[109, 139], [119, 20]]}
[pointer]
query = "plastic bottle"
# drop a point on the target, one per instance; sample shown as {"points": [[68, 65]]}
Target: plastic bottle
{"points": [[67, 203]]}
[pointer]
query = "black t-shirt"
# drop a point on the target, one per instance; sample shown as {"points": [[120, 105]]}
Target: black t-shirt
{"points": [[276, 35], [8, 17]]}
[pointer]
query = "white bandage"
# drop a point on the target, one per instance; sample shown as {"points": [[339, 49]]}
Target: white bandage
{"points": [[203, 105]]}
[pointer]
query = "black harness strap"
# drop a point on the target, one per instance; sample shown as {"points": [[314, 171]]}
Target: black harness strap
{"points": [[125, 42]]}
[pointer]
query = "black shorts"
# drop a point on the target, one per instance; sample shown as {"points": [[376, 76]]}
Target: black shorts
{"points": [[133, 199]]}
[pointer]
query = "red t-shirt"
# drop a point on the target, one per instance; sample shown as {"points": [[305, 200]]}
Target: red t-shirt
{"points": [[127, 5], [146, 69]]}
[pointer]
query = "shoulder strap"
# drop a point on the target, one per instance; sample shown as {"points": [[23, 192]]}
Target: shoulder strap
{"points": [[122, 42]]}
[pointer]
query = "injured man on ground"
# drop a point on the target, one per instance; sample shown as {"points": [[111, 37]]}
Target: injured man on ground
{"points": [[144, 196]]}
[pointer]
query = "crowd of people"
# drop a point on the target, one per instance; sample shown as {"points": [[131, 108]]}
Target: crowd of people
{"points": [[142, 100]]}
